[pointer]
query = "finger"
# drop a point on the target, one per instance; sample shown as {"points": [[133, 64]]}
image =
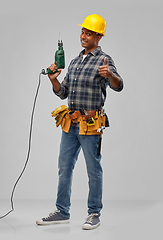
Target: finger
{"points": [[104, 67], [105, 61], [103, 72], [53, 67]]}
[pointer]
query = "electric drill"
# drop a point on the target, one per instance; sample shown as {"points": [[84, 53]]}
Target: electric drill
{"points": [[59, 58]]}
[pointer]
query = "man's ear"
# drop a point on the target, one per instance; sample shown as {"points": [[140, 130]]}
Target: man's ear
{"points": [[99, 37]]}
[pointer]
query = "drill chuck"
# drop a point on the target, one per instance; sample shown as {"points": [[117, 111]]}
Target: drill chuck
{"points": [[59, 58]]}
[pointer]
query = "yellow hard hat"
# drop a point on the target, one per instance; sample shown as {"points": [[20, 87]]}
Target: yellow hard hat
{"points": [[94, 23]]}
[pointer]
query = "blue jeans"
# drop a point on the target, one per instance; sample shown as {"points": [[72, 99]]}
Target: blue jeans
{"points": [[71, 144]]}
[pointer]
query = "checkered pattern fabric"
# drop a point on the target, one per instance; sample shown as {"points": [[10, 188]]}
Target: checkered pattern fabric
{"points": [[83, 85]]}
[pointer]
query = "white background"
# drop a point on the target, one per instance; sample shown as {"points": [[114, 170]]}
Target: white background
{"points": [[132, 147]]}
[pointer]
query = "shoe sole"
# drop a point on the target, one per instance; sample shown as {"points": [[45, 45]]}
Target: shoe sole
{"points": [[90, 227], [51, 222]]}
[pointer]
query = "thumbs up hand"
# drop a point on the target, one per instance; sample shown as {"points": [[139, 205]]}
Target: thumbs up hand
{"points": [[104, 70]]}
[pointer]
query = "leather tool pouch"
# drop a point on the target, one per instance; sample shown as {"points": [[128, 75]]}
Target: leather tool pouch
{"points": [[66, 123], [74, 115], [84, 129]]}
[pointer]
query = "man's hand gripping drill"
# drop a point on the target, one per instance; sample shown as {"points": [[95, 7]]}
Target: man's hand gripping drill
{"points": [[53, 68]]}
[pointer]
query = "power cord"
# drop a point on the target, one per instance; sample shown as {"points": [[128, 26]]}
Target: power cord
{"points": [[29, 146]]}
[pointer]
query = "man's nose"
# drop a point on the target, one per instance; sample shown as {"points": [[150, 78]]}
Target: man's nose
{"points": [[83, 35]]}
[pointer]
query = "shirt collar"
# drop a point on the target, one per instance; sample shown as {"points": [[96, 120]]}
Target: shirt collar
{"points": [[94, 52]]}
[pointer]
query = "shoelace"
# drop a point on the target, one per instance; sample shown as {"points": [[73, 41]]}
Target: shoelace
{"points": [[52, 214], [89, 219]]}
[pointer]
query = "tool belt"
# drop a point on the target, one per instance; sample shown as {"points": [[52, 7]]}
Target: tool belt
{"points": [[74, 115], [89, 121]]}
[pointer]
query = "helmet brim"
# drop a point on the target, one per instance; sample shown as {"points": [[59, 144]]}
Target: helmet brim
{"points": [[81, 25]]}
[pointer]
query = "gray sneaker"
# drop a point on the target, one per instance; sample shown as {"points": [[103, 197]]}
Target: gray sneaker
{"points": [[92, 222], [53, 218]]}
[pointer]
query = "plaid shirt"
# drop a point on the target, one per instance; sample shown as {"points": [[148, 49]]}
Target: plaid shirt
{"points": [[83, 85]]}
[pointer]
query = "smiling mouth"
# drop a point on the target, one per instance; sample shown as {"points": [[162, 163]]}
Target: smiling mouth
{"points": [[83, 41]]}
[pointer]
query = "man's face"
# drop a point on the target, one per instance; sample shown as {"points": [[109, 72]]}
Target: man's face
{"points": [[89, 39]]}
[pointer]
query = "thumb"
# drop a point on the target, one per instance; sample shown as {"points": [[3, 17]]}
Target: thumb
{"points": [[105, 61]]}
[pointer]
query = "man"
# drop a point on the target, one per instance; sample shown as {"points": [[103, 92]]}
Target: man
{"points": [[85, 87]]}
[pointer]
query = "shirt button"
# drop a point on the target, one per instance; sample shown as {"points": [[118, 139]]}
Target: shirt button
{"points": [[72, 103], [75, 79], [73, 91]]}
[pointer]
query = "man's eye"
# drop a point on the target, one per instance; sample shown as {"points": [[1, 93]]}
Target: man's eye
{"points": [[88, 34]]}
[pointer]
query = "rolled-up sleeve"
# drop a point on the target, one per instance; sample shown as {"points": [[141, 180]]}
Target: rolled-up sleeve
{"points": [[64, 88], [114, 70], [120, 88]]}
